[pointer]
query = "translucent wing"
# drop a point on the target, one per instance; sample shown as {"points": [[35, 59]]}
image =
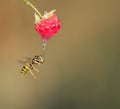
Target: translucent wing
{"points": [[24, 61]]}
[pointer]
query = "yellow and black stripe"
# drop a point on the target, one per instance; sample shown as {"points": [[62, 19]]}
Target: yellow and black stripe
{"points": [[24, 70]]}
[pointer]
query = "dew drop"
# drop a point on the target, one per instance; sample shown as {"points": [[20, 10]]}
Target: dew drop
{"points": [[44, 43]]}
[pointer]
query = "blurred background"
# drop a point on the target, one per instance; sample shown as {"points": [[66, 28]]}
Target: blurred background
{"points": [[82, 67]]}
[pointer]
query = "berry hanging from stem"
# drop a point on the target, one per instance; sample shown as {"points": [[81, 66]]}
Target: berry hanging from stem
{"points": [[46, 25]]}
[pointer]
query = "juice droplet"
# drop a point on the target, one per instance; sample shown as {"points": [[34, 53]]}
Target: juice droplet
{"points": [[44, 43]]}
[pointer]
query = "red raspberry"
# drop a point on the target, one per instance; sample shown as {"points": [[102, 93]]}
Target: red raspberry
{"points": [[48, 25]]}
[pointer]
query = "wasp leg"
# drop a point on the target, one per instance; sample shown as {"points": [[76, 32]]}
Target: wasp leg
{"points": [[35, 69], [32, 74]]}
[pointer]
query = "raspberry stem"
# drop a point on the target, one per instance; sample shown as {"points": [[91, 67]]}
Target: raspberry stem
{"points": [[33, 7]]}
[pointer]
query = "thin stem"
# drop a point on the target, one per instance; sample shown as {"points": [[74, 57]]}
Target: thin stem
{"points": [[33, 7]]}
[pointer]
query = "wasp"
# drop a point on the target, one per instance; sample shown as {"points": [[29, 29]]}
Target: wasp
{"points": [[32, 64]]}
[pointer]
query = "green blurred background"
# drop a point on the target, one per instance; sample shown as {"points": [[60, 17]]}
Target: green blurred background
{"points": [[82, 67]]}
